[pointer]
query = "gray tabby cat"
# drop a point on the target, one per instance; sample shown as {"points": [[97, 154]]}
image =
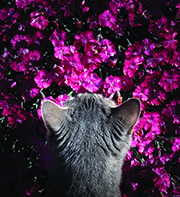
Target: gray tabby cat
{"points": [[89, 138]]}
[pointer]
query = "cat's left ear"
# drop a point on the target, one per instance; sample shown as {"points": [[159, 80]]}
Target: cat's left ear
{"points": [[52, 114], [127, 114]]}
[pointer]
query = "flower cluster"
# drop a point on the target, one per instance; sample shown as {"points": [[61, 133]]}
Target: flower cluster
{"points": [[56, 49]]}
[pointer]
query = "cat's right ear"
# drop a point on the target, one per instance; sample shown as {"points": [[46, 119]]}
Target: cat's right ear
{"points": [[52, 115]]}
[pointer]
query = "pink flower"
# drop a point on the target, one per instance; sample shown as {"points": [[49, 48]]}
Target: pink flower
{"points": [[148, 46], [72, 61], [42, 79], [176, 144], [11, 109], [170, 42], [156, 93], [21, 62], [135, 50], [23, 3], [17, 118], [38, 20], [131, 66], [34, 55], [91, 60], [61, 52], [83, 38], [92, 82], [172, 111], [107, 19], [83, 81], [20, 41], [163, 179], [107, 49], [61, 99], [114, 84], [159, 27], [162, 56], [170, 80], [58, 38], [152, 124], [176, 59]]}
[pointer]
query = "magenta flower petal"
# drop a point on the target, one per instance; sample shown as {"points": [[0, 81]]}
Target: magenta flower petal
{"points": [[170, 80], [42, 79], [107, 19], [38, 20]]}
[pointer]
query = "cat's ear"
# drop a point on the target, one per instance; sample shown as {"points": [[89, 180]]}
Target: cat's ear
{"points": [[52, 114], [127, 114]]}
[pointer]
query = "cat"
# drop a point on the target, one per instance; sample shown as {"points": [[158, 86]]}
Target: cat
{"points": [[89, 138]]}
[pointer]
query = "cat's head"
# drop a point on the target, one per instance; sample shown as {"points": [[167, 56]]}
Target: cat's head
{"points": [[124, 115]]}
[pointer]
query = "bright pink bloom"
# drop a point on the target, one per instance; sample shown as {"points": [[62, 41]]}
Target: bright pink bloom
{"points": [[131, 66], [114, 84], [170, 80], [83, 81], [107, 19], [42, 79], [163, 179], [38, 20], [159, 27], [34, 55], [176, 144], [61, 99], [176, 59]]}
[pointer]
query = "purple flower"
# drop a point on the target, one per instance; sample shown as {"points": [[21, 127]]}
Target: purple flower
{"points": [[21, 62], [107, 19], [162, 56], [38, 20], [62, 51], [93, 20], [16, 118], [26, 87], [150, 63], [92, 82], [148, 46], [172, 111], [114, 84], [20, 41], [72, 61], [61, 99], [34, 55], [23, 3], [150, 90], [145, 132], [5, 13], [163, 179], [107, 49], [165, 158], [131, 66], [83, 38], [135, 50], [42, 79], [170, 80], [176, 59], [57, 75], [91, 60], [152, 124], [170, 43], [83, 81], [58, 38], [176, 144], [159, 27], [11, 109]]}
